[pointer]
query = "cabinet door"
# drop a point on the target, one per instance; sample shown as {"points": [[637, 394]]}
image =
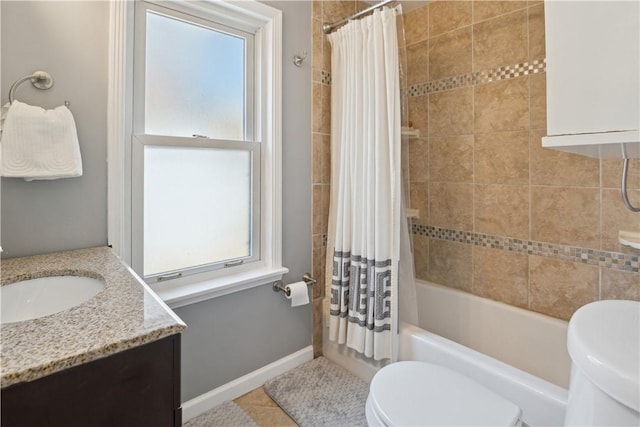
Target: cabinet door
{"points": [[135, 388], [593, 70]]}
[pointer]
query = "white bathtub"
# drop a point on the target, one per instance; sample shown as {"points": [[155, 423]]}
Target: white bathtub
{"points": [[518, 354], [514, 352], [530, 341]]}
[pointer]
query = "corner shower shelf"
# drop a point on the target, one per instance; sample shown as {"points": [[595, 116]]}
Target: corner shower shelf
{"points": [[412, 213], [410, 132]]}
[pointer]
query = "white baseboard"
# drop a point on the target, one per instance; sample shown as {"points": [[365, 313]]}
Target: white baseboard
{"points": [[236, 388]]}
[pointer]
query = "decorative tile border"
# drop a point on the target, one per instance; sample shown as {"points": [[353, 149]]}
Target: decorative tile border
{"points": [[479, 77], [613, 260], [325, 77]]}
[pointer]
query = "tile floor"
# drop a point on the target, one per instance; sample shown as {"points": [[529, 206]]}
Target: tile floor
{"points": [[264, 411]]}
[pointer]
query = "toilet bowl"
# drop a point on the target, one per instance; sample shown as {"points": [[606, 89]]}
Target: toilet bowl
{"points": [[424, 394]]}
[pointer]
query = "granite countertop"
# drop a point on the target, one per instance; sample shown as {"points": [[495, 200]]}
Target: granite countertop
{"points": [[124, 315]]}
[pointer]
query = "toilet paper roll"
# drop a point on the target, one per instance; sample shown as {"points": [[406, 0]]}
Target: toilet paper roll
{"points": [[298, 293]]}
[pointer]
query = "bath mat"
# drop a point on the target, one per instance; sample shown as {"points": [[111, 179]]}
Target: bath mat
{"points": [[226, 415], [320, 393]]}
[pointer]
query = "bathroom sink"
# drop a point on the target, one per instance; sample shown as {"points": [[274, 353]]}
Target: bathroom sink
{"points": [[33, 298]]}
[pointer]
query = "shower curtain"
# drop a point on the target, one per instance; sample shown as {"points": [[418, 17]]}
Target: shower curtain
{"points": [[365, 209]]}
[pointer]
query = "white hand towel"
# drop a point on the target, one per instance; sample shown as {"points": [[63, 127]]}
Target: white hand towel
{"points": [[3, 115], [39, 144]]}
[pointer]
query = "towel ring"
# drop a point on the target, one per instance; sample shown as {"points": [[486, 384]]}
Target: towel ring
{"points": [[40, 80]]}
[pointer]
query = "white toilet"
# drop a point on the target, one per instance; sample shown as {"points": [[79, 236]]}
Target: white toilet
{"points": [[603, 341], [425, 394]]}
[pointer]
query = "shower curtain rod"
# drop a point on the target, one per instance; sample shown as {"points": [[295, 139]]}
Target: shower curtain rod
{"points": [[327, 28]]}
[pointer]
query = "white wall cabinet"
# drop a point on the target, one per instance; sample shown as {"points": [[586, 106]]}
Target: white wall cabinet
{"points": [[593, 75]]}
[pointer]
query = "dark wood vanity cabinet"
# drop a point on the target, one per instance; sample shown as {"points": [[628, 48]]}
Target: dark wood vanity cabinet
{"points": [[138, 387]]}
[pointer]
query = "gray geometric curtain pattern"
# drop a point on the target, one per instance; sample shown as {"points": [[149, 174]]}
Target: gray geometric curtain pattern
{"points": [[361, 291]]}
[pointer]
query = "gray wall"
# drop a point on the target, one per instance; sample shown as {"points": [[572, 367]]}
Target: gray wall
{"points": [[228, 336], [70, 41]]}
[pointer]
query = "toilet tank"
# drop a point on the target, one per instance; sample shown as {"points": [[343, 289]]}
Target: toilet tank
{"points": [[603, 340]]}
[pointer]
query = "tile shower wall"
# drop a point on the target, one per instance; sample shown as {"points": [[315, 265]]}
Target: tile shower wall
{"points": [[501, 217]]}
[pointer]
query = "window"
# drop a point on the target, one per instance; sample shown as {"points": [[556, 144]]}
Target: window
{"points": [[198, 193], [198, 205], [204, 149]]}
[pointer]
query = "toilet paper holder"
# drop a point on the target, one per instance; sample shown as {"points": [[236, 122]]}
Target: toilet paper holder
{"points": [[279, 285]]}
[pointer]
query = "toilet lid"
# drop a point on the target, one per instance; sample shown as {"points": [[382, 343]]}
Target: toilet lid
{"points": [[423, 394]]}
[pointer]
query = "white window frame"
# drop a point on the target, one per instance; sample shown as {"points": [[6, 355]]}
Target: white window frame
{"points": [[141, 139], [266, 23]]}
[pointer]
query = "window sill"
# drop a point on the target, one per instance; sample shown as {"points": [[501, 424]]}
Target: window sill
{"points": [[179, 295]]}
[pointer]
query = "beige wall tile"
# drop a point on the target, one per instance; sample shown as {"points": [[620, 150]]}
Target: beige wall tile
{"points": [[501, 275], [536, 33], [362, 5], [317, 329], [418, 160], [326, 109], [502, 158], [419, 199], [316, 9], [317, 75], [502, 210], [538, 102], [451, 112], [326, 198], [318, 241], [618, 284], [419, 113], [445, 16], [318, 213], [335, 10], [320, 208], [616, 217], [421, 256], [418, 63], [451, 205], [404, 160], [566, 215], [317, 39], [483, 10], [559, 288], [326, 54], [318, 270], [450, 264], [502, 106], [612, 173], [554, 167], [416, 25], [450, 54], [326, 159], [317, 162], [451, 158], [500, 41], [316, 110]]}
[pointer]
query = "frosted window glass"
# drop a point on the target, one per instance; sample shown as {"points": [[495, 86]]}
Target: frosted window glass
{"points": [[197, 206], [194, 80]]}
